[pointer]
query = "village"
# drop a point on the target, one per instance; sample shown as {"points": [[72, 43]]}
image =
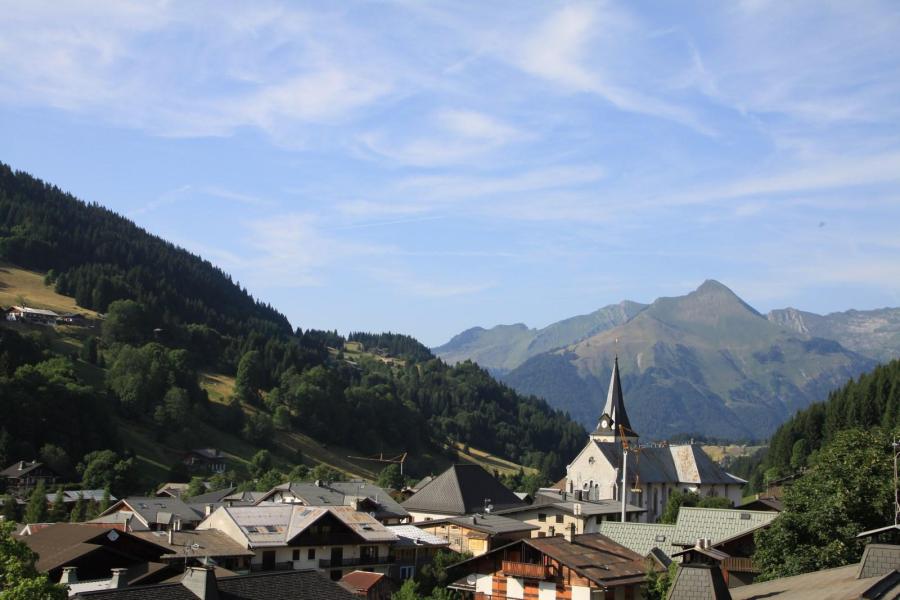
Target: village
{"points": [[595, 534]]}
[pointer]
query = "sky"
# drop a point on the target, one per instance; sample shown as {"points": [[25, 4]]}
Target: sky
{"points": [[425, 167]]}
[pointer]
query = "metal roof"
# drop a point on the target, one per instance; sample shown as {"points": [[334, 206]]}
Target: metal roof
{"points": [[152, 509], [410, 536], [462, 490], [487, 523], [717, 524], [838, 583], [342, 493], [641, 537]]}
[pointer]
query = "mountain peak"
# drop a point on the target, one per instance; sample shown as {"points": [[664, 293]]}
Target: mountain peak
{"points": [[711, 285]]}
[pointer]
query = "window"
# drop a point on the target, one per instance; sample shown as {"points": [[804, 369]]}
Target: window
{"points": [[542, 517], [311, 554], [407, 572], [296, 555], [368, 552], [559, 518]]}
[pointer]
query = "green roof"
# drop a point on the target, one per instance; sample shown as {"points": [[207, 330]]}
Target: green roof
{"points": [[717, 524], [641, 537]]}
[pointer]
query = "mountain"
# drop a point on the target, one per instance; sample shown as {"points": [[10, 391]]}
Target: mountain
{"points": [[504, 347], [132, 381], [706, 363], [872, 333]]}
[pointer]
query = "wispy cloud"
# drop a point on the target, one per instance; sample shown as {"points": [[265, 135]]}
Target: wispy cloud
{"points": [[426, 287]]}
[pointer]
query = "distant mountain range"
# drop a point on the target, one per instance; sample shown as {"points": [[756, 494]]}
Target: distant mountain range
{"points": [[706, 363]]}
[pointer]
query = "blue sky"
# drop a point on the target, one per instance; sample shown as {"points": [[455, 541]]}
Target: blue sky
{"points": [[429, 166]]}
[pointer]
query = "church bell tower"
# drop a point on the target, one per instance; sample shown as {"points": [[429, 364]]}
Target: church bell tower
{"points": [[613, 425]]}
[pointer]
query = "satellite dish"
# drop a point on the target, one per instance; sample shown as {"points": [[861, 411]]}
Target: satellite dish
{"points": [[112, 535], [471, 579], [195, 546]]}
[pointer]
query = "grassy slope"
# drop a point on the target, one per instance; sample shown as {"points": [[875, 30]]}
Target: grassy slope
{"points": [[155, 457]]}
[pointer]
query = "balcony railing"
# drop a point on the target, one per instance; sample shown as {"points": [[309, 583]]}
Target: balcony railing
{"points": [[739, 565], [526, 570], [327, 563]]}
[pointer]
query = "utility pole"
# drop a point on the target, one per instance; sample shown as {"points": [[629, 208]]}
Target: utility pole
{"points": [[624, 477], [896, 447]]}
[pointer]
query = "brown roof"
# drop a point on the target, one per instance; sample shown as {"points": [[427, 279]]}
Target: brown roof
{"points": [[596, 557], [360, 581], [834, 584], [61, 543], [210, 542]]}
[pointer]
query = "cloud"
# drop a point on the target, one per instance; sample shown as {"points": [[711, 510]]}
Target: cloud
{"points": [[424, 287]]}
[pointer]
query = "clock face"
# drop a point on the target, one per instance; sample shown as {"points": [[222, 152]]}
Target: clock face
{"points": [[604, 423]]}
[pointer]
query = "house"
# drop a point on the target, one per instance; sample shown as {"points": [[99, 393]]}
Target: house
{"points": [[652, 473], [95, 551], [195, 547], [285, 536], [552, 511], [478, 533], [208, 460], [23, 476], [365, 584], [568, 567], [359, 495], [201, 583], [70, 497], [460, 490], [875, 577], [38, 316], [762, 502], [144, 513], [413, 549], [642, 537]]}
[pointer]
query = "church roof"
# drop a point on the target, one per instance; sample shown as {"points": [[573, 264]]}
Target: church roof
{"points": [[665, 464]]}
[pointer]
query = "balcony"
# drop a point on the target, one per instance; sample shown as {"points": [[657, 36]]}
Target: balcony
{"points": [[738, 564], [278, 566], [365, 561], [525, 570]]}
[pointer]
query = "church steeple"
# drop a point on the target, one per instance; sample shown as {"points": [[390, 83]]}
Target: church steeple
{"points": [[614, 419]]}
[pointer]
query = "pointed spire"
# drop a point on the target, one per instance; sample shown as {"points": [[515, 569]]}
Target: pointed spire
{"points": [[615, 402]]}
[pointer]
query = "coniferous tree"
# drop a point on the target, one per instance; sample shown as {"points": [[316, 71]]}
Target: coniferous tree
{"points": [[57, 512], [36, 509], [79, 511]]}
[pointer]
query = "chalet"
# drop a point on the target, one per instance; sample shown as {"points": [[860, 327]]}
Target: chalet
{"points": [[651, 473], [460, 490], [70, 497], [699, 575], [195, 547], [335, 539], [143, 513], [552, 511], [365, 584], [37, 316], [95, 551], [207, 460], [570, 567], [478, 533], [763, 502], [23, 476], [202, 583], [413, 549], [359, 495]]}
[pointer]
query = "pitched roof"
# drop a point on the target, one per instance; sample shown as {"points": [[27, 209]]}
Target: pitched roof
{"points": [[717, 524], [272, 524], [212, 497], [641, 537], [838, 584], [615, 403], [594, 556], [297, 585], [462, 490], [70, 496], [209, 542], [343, 493], [155, 510], [699, 582], [20, 468], [682, 463], [360, 581], [490, 524]]}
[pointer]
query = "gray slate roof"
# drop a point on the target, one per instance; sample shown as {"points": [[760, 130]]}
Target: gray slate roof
{"points": [[462, 490], [684, 463], [284, 585], [490, 523], [156, 510], [641, 537], [699, 582], [343, 493], [717, 524], [615, 405], [411, 536]]}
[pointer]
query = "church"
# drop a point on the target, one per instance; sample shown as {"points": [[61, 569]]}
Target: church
{"points": [[652, 473]]}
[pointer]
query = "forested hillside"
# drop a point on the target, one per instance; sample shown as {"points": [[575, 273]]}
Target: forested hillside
{"points": [[171, 316]]}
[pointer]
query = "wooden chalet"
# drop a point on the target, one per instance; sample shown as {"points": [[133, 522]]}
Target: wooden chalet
{"points": [[568, 567], [23, 476]]}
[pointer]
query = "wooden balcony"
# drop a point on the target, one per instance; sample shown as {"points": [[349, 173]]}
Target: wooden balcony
{"points": [[525, 570], [739, 565]]}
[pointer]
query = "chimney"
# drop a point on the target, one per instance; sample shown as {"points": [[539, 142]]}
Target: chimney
{"points": [[207, 510], [569, 532], [21, 465], [201, 581], [117, 581], [171, 536], [576, 509], [69, 575], [177, 525]]}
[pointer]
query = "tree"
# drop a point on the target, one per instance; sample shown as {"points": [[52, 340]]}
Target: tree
{"points": [[104, 501], [195, 488], [390, 478], [269, 479], [258, 429], [326, 474], [126, 322], [105, 469], [249, 378], [408, 591], [56, 459], [434, 576], [79, 511], [58, 512], [36, 509], [658, 582], [10, 510], [89, 350], [174, 411], [676, 500], [282, 417], [19, 577], [847, 489], [260, 463]]}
